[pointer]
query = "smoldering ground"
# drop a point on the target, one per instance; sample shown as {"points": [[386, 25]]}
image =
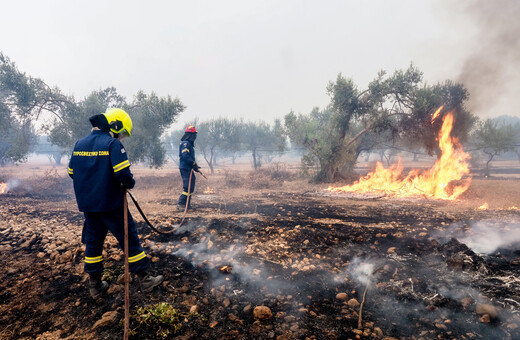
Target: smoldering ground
{"points": [[486, 236], [308, 259], [440, 290]]}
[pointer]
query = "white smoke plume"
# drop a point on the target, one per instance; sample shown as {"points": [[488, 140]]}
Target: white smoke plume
{"points": [[360, 270], [487, 237]]}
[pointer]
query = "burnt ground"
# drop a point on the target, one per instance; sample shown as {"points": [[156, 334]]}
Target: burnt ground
{"points": [[307, 256]]}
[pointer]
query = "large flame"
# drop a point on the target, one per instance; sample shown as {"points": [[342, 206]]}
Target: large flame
{"points": [[432, 183], [3, 188]]}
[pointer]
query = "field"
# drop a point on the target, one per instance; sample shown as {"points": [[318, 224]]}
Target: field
{"points": [[301, 262]]}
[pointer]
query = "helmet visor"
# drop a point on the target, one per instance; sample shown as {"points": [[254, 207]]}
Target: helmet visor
{"points": [[124, 134]]}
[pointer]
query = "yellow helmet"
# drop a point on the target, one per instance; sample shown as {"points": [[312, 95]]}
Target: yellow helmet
{"points": [[119, 121]]}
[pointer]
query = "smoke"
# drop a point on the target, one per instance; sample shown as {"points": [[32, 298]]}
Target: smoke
{"points": [[486, 237], [208, 252], [491, 66], [12, 184], [360, 270]]}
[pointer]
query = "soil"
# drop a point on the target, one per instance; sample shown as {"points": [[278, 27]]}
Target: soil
{"points": [[319, 265]]}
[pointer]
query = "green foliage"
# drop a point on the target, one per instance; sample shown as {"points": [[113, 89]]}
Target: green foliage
{"points": [[109, 274], [319, 134], [260, 139], [223, 136], [22, 98], [393, 108], [417, 126], [494, 137], [72, 122], [160, 317], [217, 135], [151, 115], [16, 141]]}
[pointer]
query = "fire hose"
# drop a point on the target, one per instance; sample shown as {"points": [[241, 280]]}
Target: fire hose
{"points": [[127, 271], [183, 216]]}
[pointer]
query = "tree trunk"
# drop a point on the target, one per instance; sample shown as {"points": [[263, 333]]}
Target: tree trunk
{"points": [[254, 158], [210, 164], [210, 161], [57, 157], [327, 172], [488, 171]]}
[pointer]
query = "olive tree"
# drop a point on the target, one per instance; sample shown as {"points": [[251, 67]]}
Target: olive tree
{"points": [[493, 137], [396, 106]]}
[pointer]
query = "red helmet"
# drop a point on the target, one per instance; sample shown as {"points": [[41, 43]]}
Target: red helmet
{"points": [[191, 129]]}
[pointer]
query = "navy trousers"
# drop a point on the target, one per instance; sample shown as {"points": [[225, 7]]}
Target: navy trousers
{"points": [[95, 231], [185, 174]]}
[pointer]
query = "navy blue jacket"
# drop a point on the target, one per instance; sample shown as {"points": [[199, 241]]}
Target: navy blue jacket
{"points": [[100, 171], [187, 156]]}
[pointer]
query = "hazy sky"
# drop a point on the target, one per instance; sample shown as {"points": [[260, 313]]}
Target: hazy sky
{"points": [[261, 59]]}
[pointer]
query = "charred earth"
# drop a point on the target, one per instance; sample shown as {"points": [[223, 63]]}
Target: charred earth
{"points": [[298, 264]]}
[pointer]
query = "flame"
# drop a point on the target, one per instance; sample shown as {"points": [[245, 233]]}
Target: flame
{"points": [[208, 190], [3, 188], [226, 269], [432, 183], [436, 114], [484, 206]]}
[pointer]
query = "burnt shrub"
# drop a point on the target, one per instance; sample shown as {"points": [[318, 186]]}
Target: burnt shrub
{"points": [[259, 179], [278, 171], [233, 179], [262, 178]]}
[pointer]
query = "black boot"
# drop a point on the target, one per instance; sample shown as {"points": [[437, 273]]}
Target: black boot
{"points": [[147, 281], [97, 287]]}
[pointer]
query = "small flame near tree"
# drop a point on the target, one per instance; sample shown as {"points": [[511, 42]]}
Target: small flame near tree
{"points": [[432, 183], [3, 188]]}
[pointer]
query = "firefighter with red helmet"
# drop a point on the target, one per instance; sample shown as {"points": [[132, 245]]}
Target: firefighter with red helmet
{"points": [[187, 166], [100, 170]]}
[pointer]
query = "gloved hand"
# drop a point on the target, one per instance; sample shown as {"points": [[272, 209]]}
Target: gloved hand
{"points": [[196, 168]]}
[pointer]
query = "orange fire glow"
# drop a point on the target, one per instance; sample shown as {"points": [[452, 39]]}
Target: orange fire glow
{"points": [[226, 269], [208, 190], [3, 188], [431, 183], [484, 206], [436, 114]]}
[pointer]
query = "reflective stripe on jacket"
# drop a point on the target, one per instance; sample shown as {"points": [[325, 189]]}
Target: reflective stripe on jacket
{"points": [[98, 166], [186, 155]]}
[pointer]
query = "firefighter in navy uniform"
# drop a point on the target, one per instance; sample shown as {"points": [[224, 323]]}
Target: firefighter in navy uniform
{"points": [[101, 174], [186, 165]]}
